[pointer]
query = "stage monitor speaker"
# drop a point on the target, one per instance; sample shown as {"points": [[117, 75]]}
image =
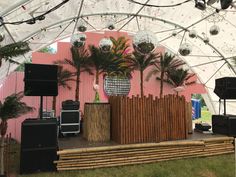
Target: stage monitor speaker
{"points": [[224, 124], [225, 87], [39, 145], [41, 80]]}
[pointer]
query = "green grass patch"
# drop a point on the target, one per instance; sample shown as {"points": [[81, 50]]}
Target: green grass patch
{"points": [[205, 116], [217, 166]]}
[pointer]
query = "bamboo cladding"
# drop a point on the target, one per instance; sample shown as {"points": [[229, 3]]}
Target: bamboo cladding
{"points": [[119, 155], [148, 119]]}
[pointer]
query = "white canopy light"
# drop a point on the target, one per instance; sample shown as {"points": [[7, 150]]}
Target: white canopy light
{"points": [[81, 26]]}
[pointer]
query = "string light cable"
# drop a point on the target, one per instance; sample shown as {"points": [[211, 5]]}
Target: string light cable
{"points": [[32, 20], [152, 5]]}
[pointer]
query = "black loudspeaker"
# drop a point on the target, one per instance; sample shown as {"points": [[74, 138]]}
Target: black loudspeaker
{"points": [[39, 145], [70, 105], [224, 124], [41, 80], [225, 87]]}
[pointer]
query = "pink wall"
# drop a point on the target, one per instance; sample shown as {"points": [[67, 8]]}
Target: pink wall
{"points": [[14, 83]]}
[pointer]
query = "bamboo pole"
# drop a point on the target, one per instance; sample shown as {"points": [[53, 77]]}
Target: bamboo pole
{"points": [[104, 148], [134, 160], [140, 162]]}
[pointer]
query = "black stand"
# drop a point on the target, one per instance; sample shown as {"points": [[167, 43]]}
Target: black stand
{"points": [[224, 107], [41, 108]]}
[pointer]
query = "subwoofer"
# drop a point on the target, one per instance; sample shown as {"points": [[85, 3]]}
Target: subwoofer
{"points": [[40, 80], [225, 87], [39, 145], [224, 124]]}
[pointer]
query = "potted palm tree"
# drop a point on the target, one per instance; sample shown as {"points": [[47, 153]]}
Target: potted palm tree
{"points": [[179, 78], [141, 62], [165, 63], [12, 107], [80, 63]]}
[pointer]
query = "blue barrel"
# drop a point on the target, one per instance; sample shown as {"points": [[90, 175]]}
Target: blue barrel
{"points": [[196, 108]]}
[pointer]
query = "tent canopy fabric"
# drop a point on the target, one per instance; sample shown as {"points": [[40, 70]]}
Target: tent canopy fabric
{"points": [[43, 22]]}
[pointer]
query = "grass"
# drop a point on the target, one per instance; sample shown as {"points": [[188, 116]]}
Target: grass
{"points": [[205, 116], [215, 166]]}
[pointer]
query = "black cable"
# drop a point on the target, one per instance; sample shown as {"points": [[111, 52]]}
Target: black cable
{"points": [[35, 18], [152, 5]]}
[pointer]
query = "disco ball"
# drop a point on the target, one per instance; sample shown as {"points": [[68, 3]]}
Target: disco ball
{"points": [[144, 41], [110, 25], [105, 44], [185, 49], [206, 39], [78, 40], [192, 34], [214, 30], [82, 28]]}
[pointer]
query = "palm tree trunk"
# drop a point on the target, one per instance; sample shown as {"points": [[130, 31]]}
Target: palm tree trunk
{"points": [[2, 156], [161, 84], [77, 87], [3, 133], [54, 103], [141, 83], [97, 77]]}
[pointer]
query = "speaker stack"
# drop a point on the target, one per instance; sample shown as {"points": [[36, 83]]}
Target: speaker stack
{"points": [[225, 88], [70, 117], [39, 145]]}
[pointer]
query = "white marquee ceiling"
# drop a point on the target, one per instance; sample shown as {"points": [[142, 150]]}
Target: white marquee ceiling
{"points": [[209, 61]]}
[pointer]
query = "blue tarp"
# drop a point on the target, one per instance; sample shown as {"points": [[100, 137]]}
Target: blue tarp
{"points": [[196, 108]]}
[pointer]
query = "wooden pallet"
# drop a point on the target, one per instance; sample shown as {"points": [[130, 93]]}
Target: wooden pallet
{"points": [[119, 155]]}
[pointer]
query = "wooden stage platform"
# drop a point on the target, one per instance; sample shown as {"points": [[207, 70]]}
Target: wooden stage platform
{"points": [[77, 153]]}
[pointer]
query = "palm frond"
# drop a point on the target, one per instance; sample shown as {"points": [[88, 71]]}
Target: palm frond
{"points": [[14, 49], [13, 107], [64, 76], [179, 76]]}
